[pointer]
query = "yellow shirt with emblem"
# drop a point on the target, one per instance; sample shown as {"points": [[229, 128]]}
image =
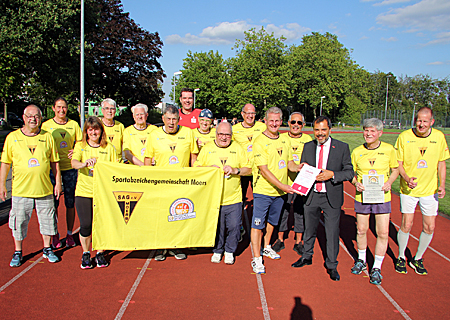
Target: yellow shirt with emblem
{"points": [[65, 136], [246, 136], [171, 149], [204, 138], [134, 140], [30, 158], [275, 154], [420, 158], [234, 156], [374, 162], [115, 137], [85, 183], [297, 145]]}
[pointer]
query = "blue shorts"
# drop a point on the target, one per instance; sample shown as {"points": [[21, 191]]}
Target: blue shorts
{"points": [[374, 208], [69, 182], [266, 206]]}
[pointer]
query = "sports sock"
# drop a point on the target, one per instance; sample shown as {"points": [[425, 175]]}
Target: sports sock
{"points": [[402, 239], [362, 255], [424, 241], [378, 262]]}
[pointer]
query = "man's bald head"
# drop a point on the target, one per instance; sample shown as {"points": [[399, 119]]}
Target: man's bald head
{"points": [[32, 109]]}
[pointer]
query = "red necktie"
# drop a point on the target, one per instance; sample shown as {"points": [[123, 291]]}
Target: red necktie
{"points": [[319, 185]]}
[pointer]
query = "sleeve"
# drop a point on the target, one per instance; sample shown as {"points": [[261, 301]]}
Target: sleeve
{"points": [[290, 155], [353, 157], [77, 152], [78, 133], [7, 154], [346, 173], [113, 153], [399, 147], [200, 162], [194, 146], [244, 161], [126, 141], [53, 152], [393, 163], [444, 149]]}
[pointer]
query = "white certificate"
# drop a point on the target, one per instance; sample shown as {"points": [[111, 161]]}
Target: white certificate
{"points": [[373, 185], [305, 179]]}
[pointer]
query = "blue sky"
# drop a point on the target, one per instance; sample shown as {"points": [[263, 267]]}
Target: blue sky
{"points": [[404, 37]]}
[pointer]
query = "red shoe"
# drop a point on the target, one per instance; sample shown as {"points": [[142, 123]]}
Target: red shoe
{"points": [[69, 241], [56, 244]]}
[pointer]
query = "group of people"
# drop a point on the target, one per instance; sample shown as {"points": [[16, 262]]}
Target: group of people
{"points": [[251, 154]]}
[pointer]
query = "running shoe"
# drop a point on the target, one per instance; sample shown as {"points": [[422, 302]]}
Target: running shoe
{"points": [[270, 253], [56, 243], [359, 267], [375, 276], [86, 262], [178, 254], [258, 266], [160, 255], [229, 258], [69, 241], [417, 265], [278, 245], [16, 259], [216, 257], [400, 266], [298, 248], [101, 260], [242, 234], [50, 255]]}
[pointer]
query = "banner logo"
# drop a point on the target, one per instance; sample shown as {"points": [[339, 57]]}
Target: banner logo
{"points": [[32, 149], [63, 134], [127, 201], [181, 209]]}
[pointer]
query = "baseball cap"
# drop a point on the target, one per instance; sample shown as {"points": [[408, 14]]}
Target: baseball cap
{"points": [[206, 113]]}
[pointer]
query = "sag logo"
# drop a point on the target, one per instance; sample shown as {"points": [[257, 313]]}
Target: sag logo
{"points": [[172, 147], [32, 149], [111, 138], [181, 209], [280, 151], [127, 201], [143, 141], [294, 149], [223, 160], [422, 150], [250, 138], [63, 134], [372, 161]]}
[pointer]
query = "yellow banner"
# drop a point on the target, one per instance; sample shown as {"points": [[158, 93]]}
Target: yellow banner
{"points": [[137, 208]]}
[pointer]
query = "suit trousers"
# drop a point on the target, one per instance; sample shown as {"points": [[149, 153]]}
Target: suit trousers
{"points": [[319, 203]]}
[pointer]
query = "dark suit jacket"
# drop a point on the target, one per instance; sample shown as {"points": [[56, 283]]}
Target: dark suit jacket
{"points": [[339, 162]]}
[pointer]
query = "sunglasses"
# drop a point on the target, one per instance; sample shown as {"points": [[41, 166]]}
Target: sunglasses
{"points": [[299, 122]]}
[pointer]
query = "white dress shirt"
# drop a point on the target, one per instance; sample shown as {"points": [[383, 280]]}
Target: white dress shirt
{"points": [[326, 152]]}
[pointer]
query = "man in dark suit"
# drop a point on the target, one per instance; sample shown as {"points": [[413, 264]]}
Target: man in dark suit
{"points": [[333, 157]]}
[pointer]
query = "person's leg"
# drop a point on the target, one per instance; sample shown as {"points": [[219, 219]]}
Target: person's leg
{"points": [[382, 228], [69, 178], [312, 216], [299, 218], [220, 236], [233, 224], [429, 207], [84, 210], [45, 210], [261, 204], [407, 207], [332, 217], [362, 225]]}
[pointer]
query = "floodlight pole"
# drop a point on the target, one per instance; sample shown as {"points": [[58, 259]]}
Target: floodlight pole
{"points": [[321, 98], [412, 118], [175, 74], [82, 67], [195, 90], [387, 90]]}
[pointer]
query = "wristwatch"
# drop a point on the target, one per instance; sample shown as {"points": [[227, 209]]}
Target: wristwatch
{"points": [[239, 171]]}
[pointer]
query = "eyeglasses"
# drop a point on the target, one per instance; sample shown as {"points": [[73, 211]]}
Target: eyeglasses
{"points": [[250, 113], [35, 116], [299, 122], [109, 109], [225, 135]]}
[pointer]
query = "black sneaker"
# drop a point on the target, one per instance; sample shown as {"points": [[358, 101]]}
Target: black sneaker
{"points": [[417, 265], [298, 248], [101, 260], [400, 266], [278, 245], [86, 262]]}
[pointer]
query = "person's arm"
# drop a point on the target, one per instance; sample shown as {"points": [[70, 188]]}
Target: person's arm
{"points": [[387, 185], [57, 172], [409, 180], [294, 167], [148, 161], [132, 158], [4, 170], [269, 176], [442, 171], [346, 173], [237, 171], [193, 158]]}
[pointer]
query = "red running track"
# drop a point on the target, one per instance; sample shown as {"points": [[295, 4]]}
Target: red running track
{"points": [[135, 286]]}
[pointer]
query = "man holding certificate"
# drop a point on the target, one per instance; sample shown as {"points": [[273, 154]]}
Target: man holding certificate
{"points": [[373, 162], [333, 158]]}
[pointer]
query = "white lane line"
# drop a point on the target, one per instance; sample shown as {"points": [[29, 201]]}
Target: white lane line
{"points": [[10, 282], [125, 304], [262, 294], [415, 238]]}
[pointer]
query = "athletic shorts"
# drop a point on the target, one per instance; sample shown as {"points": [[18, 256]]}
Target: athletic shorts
{"points": [[69, 182], [20, 215], [428, 205], [266, 207], [374, 208]]}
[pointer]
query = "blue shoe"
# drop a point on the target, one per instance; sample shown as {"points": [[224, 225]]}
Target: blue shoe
{"points": [[16, 259], [375, 276], [50, 255], [359, 267]]}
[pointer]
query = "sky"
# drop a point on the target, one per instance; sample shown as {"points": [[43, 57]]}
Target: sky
{"points": [[405, 37]]}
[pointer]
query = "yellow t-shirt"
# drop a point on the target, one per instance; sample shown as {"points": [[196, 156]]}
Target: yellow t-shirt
{"points": [[85, 183], [134, 140], [420, 158], [275, 153], [30, 158], [297, 145], [234, 156], [171, 149], [65, 136], [373, 162], [115, 136], [204, 138], [246, 136]]}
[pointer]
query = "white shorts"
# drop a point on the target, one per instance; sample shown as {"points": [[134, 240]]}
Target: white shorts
{"points": [[428, 205]]}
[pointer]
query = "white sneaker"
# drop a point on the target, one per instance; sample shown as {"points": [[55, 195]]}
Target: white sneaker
{"points": [[258, 266], [270, 253], [229, 258], [216, 257]]}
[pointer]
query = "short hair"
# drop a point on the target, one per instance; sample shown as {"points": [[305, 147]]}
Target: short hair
{"points": [[109, 101], [247, 105], [170, 109], [320, 119], [139, 105], [373, 123], [60, 99], [186, 90], [275, 110], [425, 109], [94, 122], [296, 112], [229, 124], [33, 105]]}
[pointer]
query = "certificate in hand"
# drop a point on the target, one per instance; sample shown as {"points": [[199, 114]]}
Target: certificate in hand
{"points": [[305, 179], [373, 185]]}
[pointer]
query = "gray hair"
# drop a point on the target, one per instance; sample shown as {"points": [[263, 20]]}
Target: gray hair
{"points": [[373, 123], [139, 105], [275, 110], [170, 109], [109, 101], [299, 113], [35, 106]]}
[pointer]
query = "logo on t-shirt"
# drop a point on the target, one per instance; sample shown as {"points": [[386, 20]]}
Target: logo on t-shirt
{"points": [[63, 134], [281, 164], [111, 137], [372, 172], [250, 137], [250, 148], [172, 147], [33, 162], [295, 157], [422, 164], [32, 149], [143, 141], [173, 160], [422, 150], [63, 144], [142, 151], [280, 151], [372, 161], [223, 160]]}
